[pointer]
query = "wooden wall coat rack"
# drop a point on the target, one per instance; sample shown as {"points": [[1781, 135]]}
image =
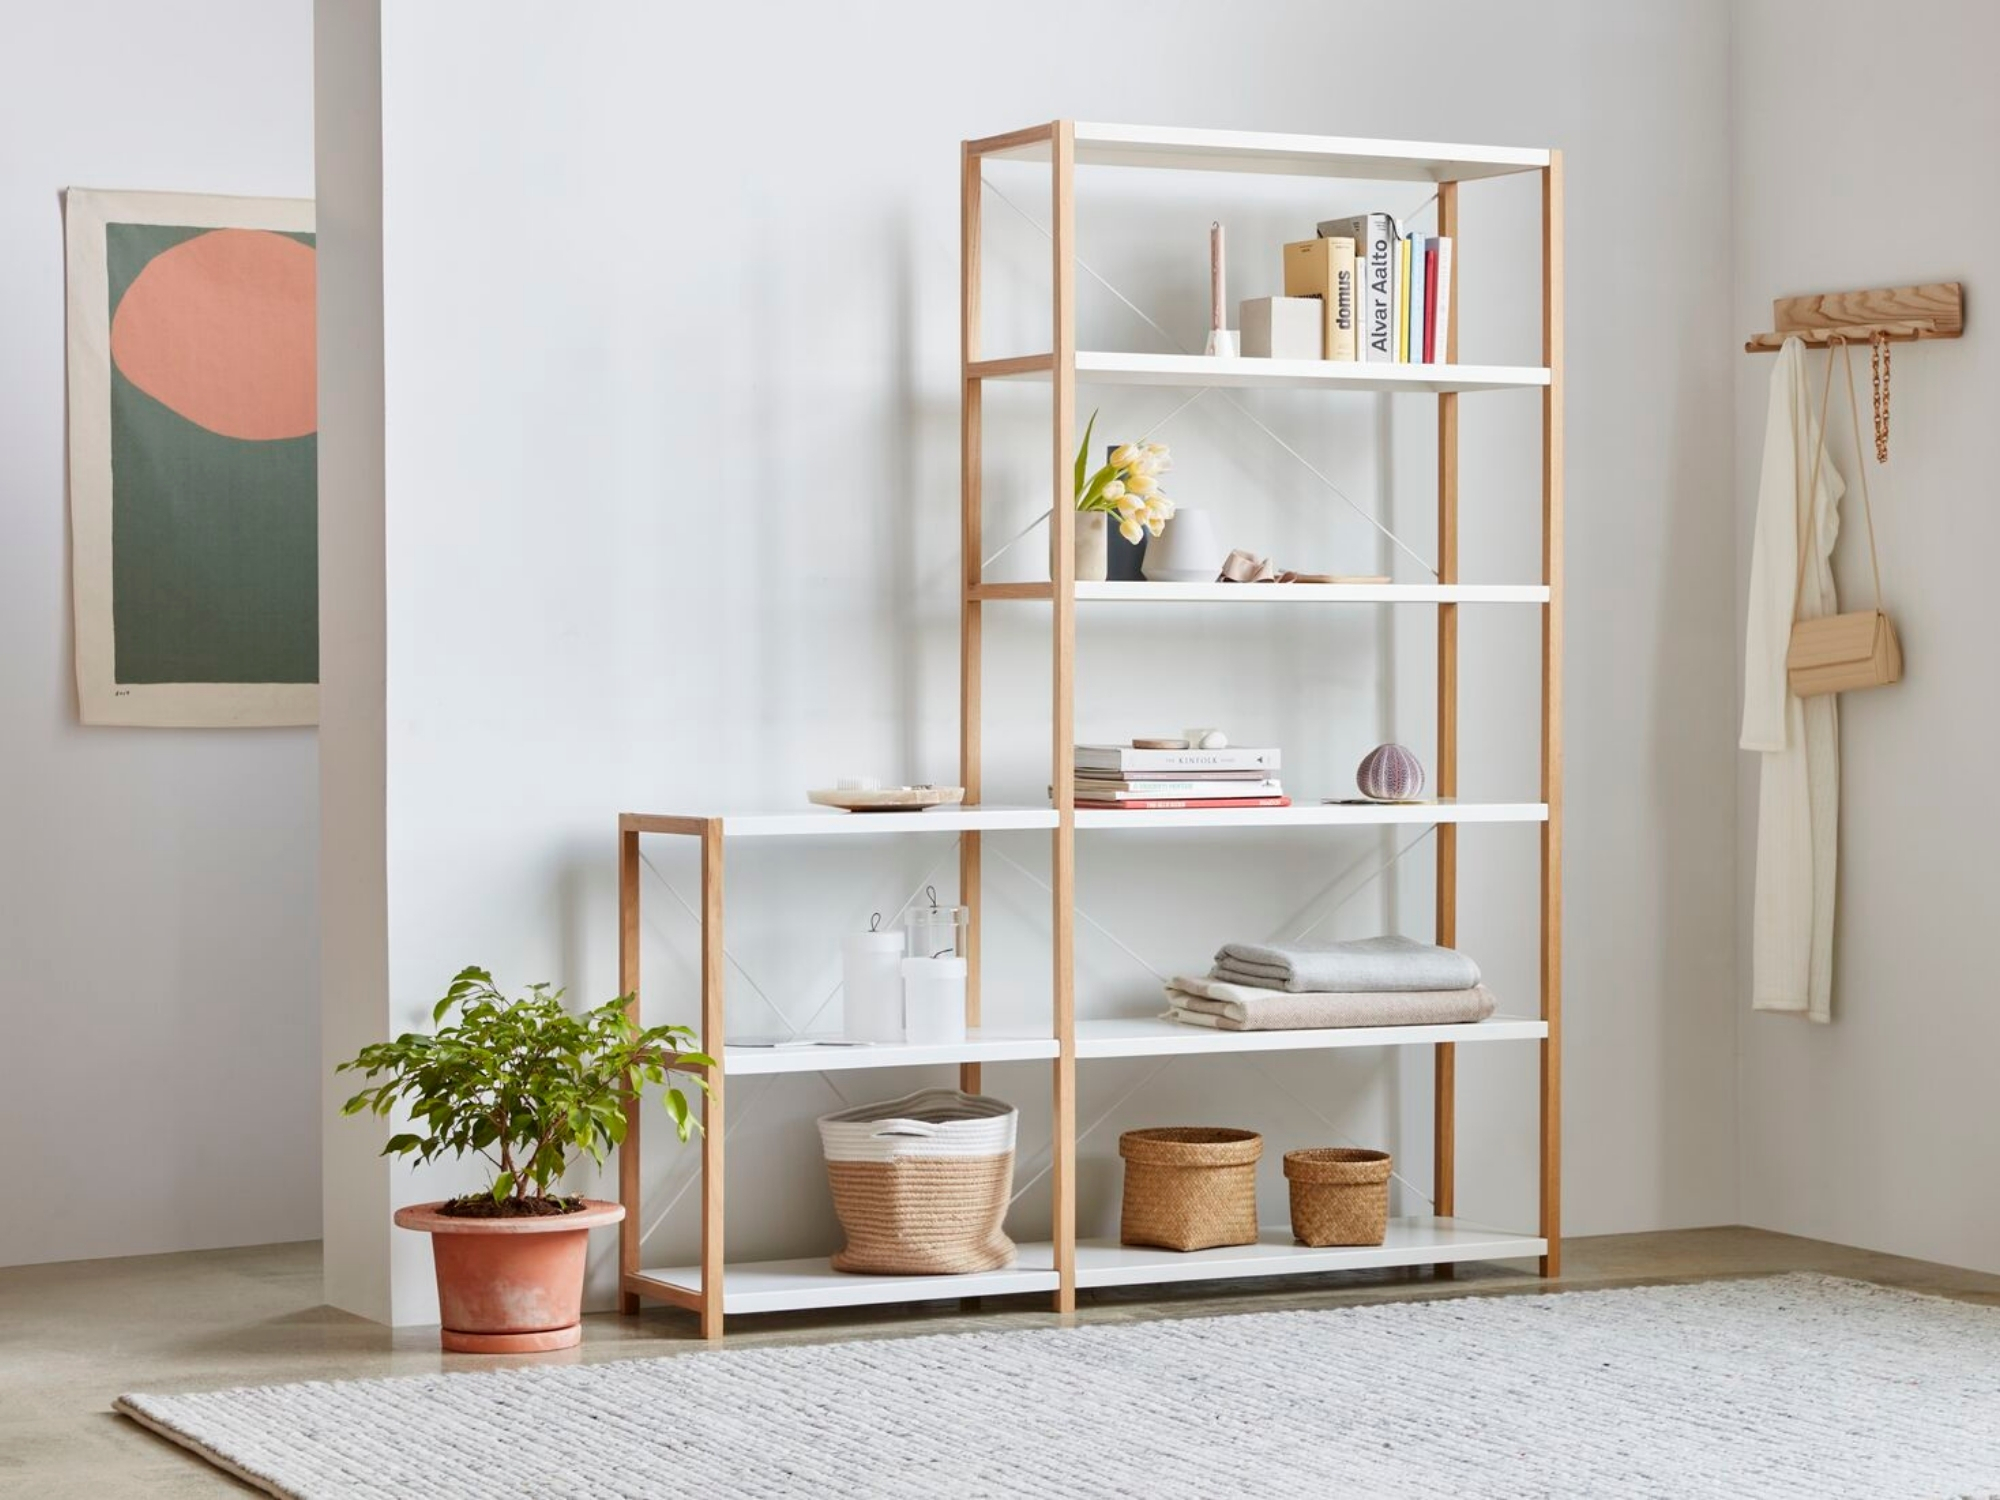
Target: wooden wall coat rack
{"points": [[1901, 314]]}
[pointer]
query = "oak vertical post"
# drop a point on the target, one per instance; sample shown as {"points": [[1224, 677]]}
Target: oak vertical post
{"points": [[1445, 1067], [630, 1185], [1062, 573], [712, 1043], [1552, 644], [971, 439]]}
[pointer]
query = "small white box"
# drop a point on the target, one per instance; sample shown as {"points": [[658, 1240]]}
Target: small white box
{"points": [[1280, 327]]}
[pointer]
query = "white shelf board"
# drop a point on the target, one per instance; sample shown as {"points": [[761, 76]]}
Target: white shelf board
{"points": [[983, 1045], [820, 821], [1101, 367], [1148, 1036], [1297, 155], [1409, 1242], [1314, 815], [784, 1285], [1312, 593]]}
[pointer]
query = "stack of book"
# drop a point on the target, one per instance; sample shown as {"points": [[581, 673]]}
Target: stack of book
{"points": [[1121, 776], [1387, 293]]}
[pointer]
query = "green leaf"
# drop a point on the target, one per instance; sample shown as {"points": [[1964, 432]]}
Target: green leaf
{"points": [[1083, 452], [502, 1186], [677, 1106]]}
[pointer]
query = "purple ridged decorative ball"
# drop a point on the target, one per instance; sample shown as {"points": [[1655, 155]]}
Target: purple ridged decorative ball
{"points": [[1390, 773]]}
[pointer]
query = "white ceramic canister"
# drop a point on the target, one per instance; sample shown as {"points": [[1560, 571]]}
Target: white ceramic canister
{"points": [[872, 986], [934, 999]]}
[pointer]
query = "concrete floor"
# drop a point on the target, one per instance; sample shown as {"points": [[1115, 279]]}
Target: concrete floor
{"points": [[73, 1336]]}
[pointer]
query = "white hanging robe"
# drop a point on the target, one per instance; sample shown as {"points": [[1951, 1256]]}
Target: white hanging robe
{"points": [[1798, 789]]}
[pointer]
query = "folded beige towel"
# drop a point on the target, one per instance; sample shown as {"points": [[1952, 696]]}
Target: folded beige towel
{"points": [[1238, 1007]]}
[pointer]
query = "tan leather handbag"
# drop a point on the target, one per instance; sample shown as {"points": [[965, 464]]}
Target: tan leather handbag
{"points": [[1858, 649]]}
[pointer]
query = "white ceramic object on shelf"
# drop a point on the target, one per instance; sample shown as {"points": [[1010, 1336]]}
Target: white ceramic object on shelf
{"points": [[934, 1000], [871, 986], [1187, 551]]}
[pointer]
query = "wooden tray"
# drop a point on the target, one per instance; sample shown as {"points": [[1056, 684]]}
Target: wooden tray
{"points": [[890, 798]]}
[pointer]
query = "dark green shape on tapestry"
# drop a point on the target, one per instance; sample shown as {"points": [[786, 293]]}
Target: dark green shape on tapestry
{"points": [[215, 546]]}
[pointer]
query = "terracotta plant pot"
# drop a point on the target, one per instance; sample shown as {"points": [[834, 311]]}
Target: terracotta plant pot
{"points": [[510, 1286]]}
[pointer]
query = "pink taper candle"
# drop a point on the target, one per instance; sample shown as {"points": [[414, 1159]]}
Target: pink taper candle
{"points": [[1216, 321]]}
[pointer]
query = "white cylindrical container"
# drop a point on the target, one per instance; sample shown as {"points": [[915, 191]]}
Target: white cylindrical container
{"points": [[936, 931], [1187, 551], [872, 986], [934, 999]]}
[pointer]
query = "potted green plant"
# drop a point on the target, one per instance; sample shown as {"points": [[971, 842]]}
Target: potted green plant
{"points": [[1125, 488], [530, 1087]]}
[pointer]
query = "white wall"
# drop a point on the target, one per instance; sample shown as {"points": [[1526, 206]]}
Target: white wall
{"points": [[157, 887], [1879, 1130], [669, 351]]}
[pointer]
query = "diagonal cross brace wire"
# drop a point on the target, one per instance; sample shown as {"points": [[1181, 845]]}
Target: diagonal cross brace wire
{"points": [[1240, 408], [1105, 1114], [736, 1116]]}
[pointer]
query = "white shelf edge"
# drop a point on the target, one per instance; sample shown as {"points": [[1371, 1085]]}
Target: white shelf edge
{"points": [[833, 822], [979, 1047], [1106, 144], [787, 1285], [1313, 815], [1148, 1037], [1312, 593], [809, 1282], [1107, 367], [1419, 1241]]}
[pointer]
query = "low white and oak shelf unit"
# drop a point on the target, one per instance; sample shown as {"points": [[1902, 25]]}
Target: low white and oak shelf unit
{"points": [[1064, 1264]]}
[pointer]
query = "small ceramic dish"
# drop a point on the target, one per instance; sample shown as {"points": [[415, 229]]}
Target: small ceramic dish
{"points": [[888, 798]]}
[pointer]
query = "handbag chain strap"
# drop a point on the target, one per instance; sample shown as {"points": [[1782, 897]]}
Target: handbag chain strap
{"points": [[1809, 507], [1878, 363]]}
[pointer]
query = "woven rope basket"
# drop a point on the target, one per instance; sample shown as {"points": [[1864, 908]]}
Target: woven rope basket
{"points": [[1340, 1195], [921, 1184], [1189, 1187]]}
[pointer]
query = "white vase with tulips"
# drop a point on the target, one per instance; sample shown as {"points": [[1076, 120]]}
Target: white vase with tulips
{"points": [[1125, 492]]}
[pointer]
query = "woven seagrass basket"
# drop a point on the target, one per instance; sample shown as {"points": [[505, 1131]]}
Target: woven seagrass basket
{"points": [[1189, 1187], [1340, 1195], [921, 1183]]}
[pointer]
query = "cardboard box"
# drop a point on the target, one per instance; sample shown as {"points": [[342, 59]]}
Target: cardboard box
{"points": [[1324, 268], [1280, 328]]}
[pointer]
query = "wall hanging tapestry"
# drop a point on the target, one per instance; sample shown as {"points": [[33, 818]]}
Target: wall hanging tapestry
{"points": [[193, 461]]}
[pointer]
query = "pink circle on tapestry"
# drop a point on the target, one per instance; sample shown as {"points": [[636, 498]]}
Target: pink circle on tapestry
{"points": [[219, 329]]}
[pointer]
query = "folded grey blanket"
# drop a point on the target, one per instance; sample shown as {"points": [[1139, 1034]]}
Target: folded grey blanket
{"points": [[1375, 965], [1234, 1007]]}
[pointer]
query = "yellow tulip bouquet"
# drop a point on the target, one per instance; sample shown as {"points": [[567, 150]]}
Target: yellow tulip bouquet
{"points": [[1128, 486]]}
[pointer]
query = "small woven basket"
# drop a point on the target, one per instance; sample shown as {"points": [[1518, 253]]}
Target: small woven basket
{"points": [[921, 1184], [1340, 1195], [1189, 1187]]}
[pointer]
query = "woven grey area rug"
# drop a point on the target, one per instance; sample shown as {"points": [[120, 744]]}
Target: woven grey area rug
{"points": [[1799, 1386]]}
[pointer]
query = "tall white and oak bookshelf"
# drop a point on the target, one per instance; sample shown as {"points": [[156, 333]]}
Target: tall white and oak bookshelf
{"points": [[1061, 1266]]}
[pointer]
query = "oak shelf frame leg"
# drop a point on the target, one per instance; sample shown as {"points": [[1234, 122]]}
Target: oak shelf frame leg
{"points": [[1444, 1135], [630, 1189], [971, 541], [1062, 573], [712, 1043], [1552, 760]]}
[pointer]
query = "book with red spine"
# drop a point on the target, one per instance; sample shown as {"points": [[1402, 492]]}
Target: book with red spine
{"points": [[1167, 804], [1433, 252]]}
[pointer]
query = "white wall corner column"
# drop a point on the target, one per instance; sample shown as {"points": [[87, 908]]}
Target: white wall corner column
{"points": [[371, 1268]]}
